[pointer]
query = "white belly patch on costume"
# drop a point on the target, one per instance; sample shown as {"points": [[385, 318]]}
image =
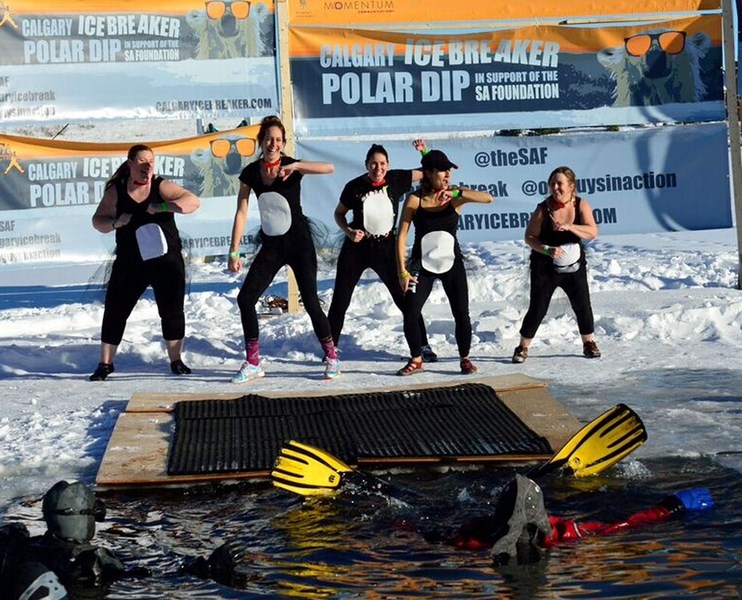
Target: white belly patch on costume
{"points": [[569, 261], [151, 241], [437, 249], [378, 213], [275, 213]]}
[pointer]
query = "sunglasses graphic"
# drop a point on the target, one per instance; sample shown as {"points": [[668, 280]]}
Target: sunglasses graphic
{"points": [[240, 9], [672, 42], [244, 146]]}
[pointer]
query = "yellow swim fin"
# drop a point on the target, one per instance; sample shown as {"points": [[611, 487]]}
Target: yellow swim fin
{"points": [[598, 445], [308, 471]]}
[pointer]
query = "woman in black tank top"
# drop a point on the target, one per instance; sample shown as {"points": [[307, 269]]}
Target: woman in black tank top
{"points": [[555, 233], [434, 210], [139, 207]]}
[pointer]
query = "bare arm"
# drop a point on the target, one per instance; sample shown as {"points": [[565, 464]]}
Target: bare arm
{"points": [[104, 218], [533, 230], [466, 196], [238, 227], [408, 212], [306, 168], [177, 198], [420, 146], [355, 235], [588, 230]]}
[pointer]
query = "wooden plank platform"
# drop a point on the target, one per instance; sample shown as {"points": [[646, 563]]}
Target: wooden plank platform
{"points": [[137, 453]]}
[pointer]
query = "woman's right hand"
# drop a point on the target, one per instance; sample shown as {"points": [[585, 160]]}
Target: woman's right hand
{"points": [[234, 264], [122, 220], [444, 197], [355, 235], [419, 145], [405, 280]]}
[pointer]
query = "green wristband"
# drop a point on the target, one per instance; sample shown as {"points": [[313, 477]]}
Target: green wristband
{"points": [[456, 194], [165, 207], [545, 250], [234, 255]]}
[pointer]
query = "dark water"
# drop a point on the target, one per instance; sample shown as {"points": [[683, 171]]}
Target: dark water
{"points": [[354, 547]]}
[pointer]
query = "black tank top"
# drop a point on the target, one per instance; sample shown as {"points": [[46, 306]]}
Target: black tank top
{"points": [[126, 241], [551, 237], [428, 221]]}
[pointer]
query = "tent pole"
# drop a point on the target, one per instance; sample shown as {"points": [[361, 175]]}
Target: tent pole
{"points": [[287, 116], [729, 35]]}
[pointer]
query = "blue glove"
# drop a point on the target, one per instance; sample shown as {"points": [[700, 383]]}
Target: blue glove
{"points": [[696, 500]]}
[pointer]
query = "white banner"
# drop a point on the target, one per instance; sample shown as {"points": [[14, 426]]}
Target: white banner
{"points": [[637, 181]]}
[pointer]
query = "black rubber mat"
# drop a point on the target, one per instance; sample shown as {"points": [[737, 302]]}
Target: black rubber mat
{"points": [[246, 434]]}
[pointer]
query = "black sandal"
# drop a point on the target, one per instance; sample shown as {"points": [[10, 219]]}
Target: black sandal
{"points": [[178, 367], [102, 371]]}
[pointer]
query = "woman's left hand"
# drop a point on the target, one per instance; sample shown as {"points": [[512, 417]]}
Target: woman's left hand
{"points": [[560, 226], [286, 170]]}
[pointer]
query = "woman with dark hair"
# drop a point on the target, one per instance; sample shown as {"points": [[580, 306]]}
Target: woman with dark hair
{"points": [[370, 236], [555, 233], [434, 210], [285, 240], [140, 207]]}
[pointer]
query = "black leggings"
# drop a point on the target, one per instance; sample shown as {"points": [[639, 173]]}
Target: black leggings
{"points": [[544, 281], [129, 280], [457, 290], [299, 254], [353, 260]]}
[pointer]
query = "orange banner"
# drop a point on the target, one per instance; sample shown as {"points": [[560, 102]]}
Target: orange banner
{"points": [[349, 13], [37, 173], [49, 189], [366, 47], [54, 7], [537, 76]]}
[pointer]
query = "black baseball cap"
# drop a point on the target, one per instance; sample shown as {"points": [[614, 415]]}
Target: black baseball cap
{"points": [[436, 159]]}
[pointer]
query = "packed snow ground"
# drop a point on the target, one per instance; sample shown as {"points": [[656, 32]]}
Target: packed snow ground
{"points": [[668, 320]]}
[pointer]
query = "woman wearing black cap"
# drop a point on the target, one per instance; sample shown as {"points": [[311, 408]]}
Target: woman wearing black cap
{"points": [[434, 210]]}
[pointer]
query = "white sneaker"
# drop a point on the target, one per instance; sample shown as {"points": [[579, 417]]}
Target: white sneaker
{"points": [[332, 368], [248, 372]]}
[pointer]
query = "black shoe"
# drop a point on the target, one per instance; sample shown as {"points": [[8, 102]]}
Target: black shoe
{"points": [[525, 522], [102, 371], [590, 350], [178, 367], [520, 355], [428, 354]]}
